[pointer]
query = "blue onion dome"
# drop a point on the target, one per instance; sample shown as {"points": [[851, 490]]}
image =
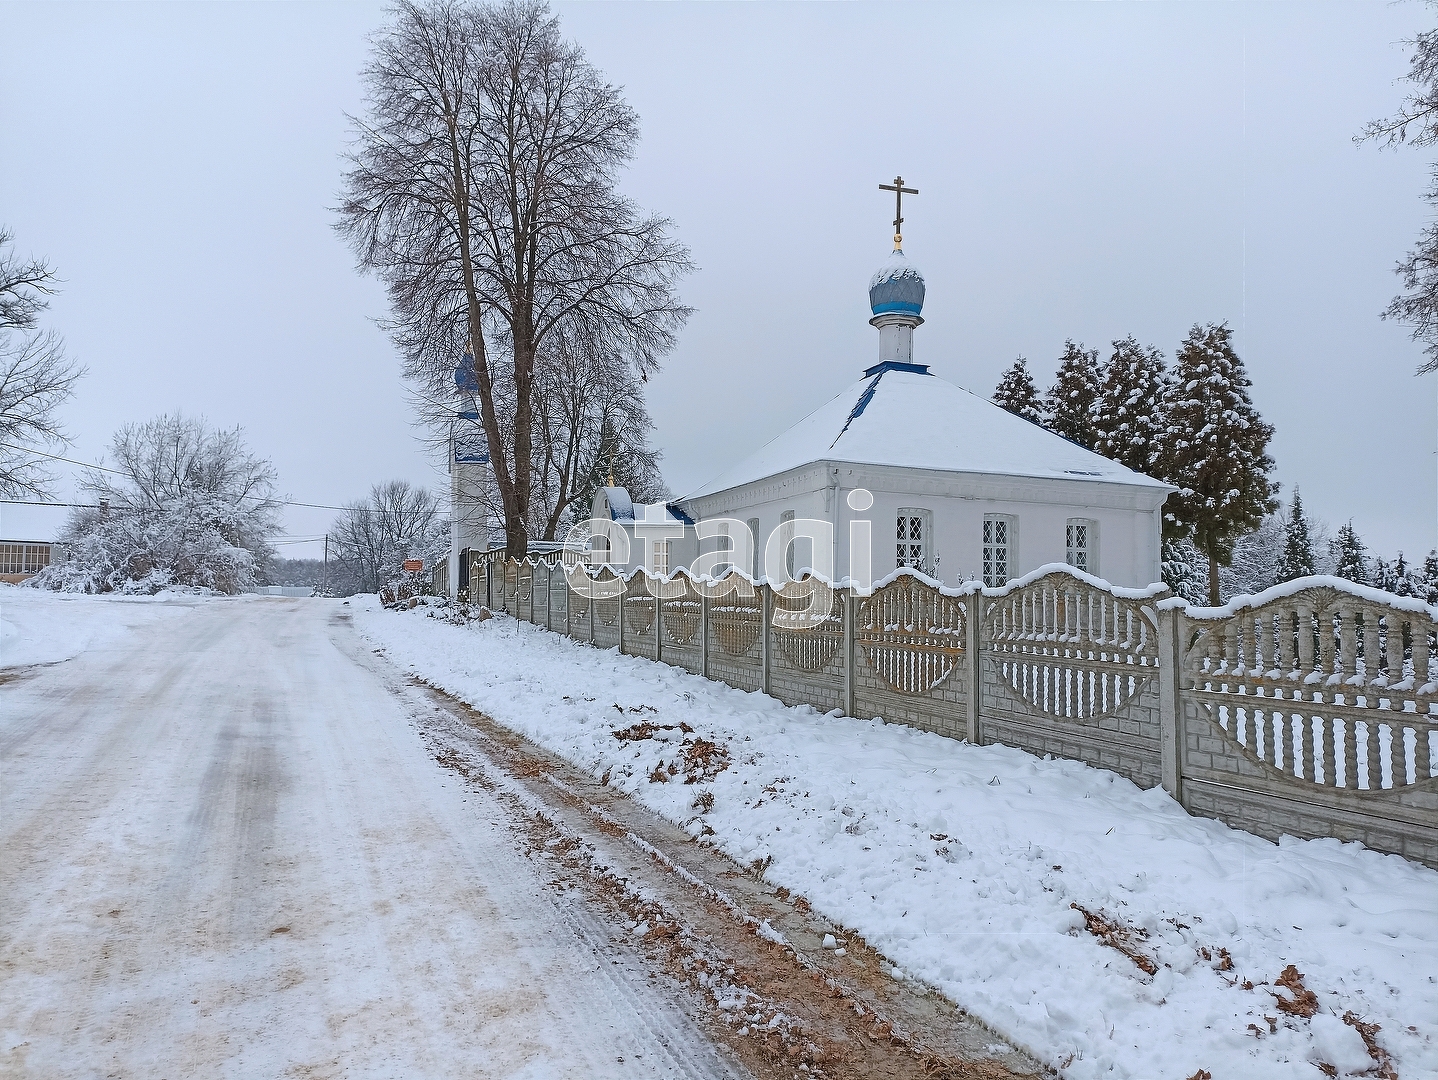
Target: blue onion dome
{"points": [[897, 286]]}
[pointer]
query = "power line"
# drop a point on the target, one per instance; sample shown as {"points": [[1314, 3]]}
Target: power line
{"points": [[40, 502], [117, 472], [57, 457]]}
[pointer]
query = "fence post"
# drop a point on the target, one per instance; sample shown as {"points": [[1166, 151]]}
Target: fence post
{"points": [[619, 620], [658, 627], [591, 613], [549, 596], [851, 685], [974, 647], [704, 632], [1170, 705], [766, 621], [488, 590]]}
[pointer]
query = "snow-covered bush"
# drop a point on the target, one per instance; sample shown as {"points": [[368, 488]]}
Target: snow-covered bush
{"points": [[186, 507]]}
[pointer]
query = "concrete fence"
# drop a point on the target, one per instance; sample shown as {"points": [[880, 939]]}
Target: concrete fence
{"points": [[1308, 710]]}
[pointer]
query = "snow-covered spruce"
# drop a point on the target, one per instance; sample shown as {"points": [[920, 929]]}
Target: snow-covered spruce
{"points": [[1127, 415], [1077, 385], [1017, 393], [1097, 925], [1214, 446]]}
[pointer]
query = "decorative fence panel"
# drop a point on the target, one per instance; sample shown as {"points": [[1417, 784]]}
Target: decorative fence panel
{"points": [[1313, 713], [911, 646], [807, 645], [607, 607], [1310, 710], [682, 624], [1070, 669], [736, 622]]}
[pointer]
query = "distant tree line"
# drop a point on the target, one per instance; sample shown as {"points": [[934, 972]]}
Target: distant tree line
{"points": [[180, 504], [370, 541], [1291, 544], [373, 537], [328, 577]]}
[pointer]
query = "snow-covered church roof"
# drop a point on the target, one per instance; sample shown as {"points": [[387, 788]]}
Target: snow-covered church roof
{"points": [[899, 414]]}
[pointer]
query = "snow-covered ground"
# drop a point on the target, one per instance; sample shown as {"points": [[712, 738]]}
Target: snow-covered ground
{"points": [[225, 851], [42, 627], [964, 864]]}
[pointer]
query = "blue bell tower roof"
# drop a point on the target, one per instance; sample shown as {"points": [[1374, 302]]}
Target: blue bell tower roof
{"points": [[897, 287]]}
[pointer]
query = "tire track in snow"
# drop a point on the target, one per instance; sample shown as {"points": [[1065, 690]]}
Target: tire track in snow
{"points": [[878, 1027]]}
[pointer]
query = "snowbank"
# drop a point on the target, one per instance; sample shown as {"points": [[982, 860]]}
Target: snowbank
{"points": [[42, 627], [964, 864]]}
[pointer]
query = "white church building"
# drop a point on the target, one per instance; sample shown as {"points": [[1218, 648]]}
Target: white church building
{"points": [[952, 484], [949, 483]]}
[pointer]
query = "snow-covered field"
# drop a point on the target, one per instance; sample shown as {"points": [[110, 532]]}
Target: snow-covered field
{"points": [[42, 627], [972, 867]]}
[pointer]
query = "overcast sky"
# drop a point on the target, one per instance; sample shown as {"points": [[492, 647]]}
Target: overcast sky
{"points": [[1086, 171]]}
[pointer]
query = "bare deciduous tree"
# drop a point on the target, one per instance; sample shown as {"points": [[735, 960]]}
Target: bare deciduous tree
{"points": [[483, 192], [590, 419], [398, 521], [36, 376], [1416, 123]]}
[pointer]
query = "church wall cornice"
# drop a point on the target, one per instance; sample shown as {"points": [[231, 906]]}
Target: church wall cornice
{"points": [[930, 483]]}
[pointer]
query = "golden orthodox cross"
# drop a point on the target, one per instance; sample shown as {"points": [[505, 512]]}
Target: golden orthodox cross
{"points": [[899, 190]]}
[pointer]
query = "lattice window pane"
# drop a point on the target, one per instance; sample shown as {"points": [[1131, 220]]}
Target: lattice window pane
{"points": [[996, 551], [910, 549], [1078, 544]]}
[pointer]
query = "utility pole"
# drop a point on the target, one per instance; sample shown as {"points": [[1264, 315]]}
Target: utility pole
{"points": [[325, 588]]}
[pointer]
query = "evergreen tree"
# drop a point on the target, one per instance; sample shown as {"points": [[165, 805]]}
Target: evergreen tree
{"points": [[1182, 570], [1076, 387], [1403, 583], [617, 459], [1127, 416], [1214, 448], [1017, 393], [1383, 574], [1416, 123], [1297, 560], [1257, 557], [1430, 578], [1351, 555]]}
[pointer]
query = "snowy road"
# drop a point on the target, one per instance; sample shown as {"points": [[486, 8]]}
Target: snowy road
{"points": [[226, 852]]}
